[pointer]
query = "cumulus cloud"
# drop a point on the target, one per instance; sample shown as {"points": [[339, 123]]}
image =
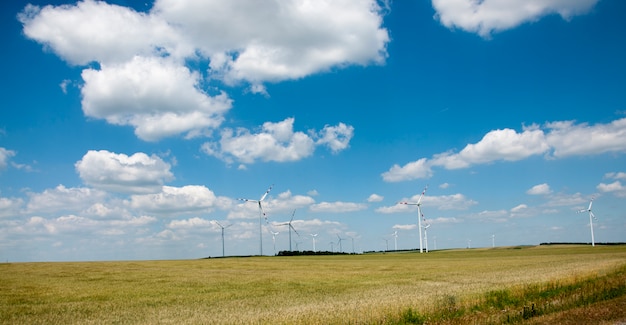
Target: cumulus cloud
{"points": [[375, 198], [5, 155], [556, 140], [337, 207], [541, 189], [275, 142], [616, 188], [157, 96], [488, 16], [9, 207], [186, 199], [62, 198], [140, 77], [138, 173]]}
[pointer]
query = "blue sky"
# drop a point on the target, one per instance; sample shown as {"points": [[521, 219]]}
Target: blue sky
{"points": [[128, 127]]}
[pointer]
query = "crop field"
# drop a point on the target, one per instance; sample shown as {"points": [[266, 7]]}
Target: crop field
{"points": [[501, 285]]}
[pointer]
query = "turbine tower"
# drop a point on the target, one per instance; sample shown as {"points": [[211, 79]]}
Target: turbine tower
{"points": [[426, 236], [419, 215], [591, 217], [313, 236], [395, 240], [493, 241], [339, 241], [290, 227], [261, 216], [274, 233], [223, 227]]}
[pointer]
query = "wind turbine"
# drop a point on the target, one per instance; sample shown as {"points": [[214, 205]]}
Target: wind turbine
{"points": [[386, 244], [426, 236], [339, 241], [261, 216], [313, 235], [395, 240], [591, 217], [274, 233], [223, 227], [290, 227], [493, 241], [419, 214]]}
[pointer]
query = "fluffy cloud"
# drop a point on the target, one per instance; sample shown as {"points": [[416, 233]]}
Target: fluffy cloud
{"points": [[94, 31], [141, 78], [375, 198], [157, 96], [62, 198], [276, 142], [9, 207], [186, 199], [443, 202], [270, 40], [555, 140], [488, 16], [5, 155], [138, 173], [541, 189], [615, 187], [337, 207]]}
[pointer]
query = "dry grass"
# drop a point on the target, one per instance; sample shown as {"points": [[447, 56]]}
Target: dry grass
{"points": [[370, 289]]}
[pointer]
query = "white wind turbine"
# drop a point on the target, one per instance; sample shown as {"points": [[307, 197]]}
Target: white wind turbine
{"points": [[313, 236], [274, 233], [426, 236], [290, 227], [223, 227], [339, 241], [395, 240], [493, 241], [261, 216], [591, 217], [419, 215]]}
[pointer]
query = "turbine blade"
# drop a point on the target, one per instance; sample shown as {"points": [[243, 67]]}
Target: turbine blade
{"points": [[294, 229], [592, 215], [422, 195], [266, 192], [590, 203]]}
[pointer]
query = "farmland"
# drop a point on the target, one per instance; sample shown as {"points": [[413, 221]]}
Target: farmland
{"points": [[456, 286]]}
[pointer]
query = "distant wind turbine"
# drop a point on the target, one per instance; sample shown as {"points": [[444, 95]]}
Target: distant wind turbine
{"points": [[290, 227], [223, 227], [339, 241], [261, 216], [493, 241], [395, 240], [313, 236], [274, 234], [591, 217], [419, 215]]}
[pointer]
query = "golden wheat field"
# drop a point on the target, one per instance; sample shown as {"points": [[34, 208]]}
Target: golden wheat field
{"points": [[393, 288]]}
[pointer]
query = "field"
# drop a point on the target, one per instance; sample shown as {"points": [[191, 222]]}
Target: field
{"points": [[515, 284]]}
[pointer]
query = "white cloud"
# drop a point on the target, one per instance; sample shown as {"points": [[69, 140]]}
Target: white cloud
{"points": [[261, 41], [94, 31], [616, 188], [485, 17], [559, 140], [141, 79], [171, 200], [541, 189], [444, 202], [569, 139], [5, 155], [444, 186], [337, 207], [404, 227], [275, 142], [337, 138], [138, 173], [64, 199], [9, 207], [375, 198], [157, 96], [413, 170], [620, 175], [190, 223]]}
